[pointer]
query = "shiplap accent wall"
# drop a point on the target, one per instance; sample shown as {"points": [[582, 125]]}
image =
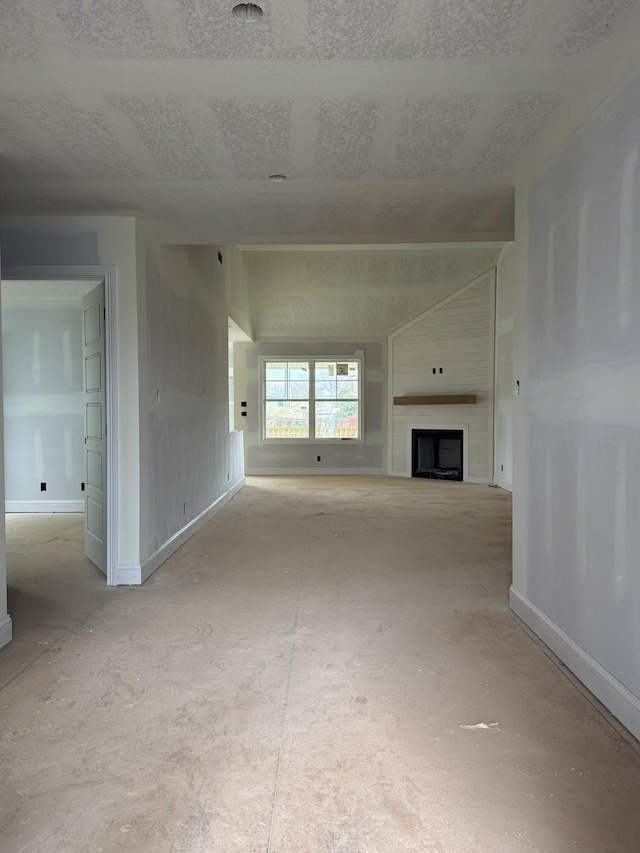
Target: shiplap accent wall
{"points": [[457, 335]]}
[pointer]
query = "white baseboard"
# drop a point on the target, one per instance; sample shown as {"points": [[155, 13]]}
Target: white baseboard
{"points": [[44, 506], [134, 574], [612, 693], [503, 484], [303, 472], [6, 630]]}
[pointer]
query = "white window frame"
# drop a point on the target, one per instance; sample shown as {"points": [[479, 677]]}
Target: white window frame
{"points": [[311, 359]]}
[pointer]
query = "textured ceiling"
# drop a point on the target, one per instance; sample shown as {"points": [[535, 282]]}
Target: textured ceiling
{"points": [[338, 292], [395, 120]]}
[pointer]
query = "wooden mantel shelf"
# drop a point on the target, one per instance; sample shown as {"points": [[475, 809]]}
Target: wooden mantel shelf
{"points": [[436, 400]]}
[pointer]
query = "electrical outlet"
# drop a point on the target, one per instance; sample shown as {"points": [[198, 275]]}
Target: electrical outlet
{"points": [[318, 459], [43, 487], [82, 487]]}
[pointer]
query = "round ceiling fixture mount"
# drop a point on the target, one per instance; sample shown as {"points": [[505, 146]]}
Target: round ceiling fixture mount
{"points": [[277, 178], [247, 12]]}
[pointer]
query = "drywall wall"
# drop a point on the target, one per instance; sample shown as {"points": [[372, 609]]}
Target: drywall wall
{"points": [[346, 293], [76, 241], [504, 387], [235, 286], [185, 460], [5, 618], [456, 336], [369, 456], [43, 408], [577, 418]]}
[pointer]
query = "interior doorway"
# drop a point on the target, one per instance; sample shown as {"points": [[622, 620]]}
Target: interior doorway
{"points": [[57, 395]]}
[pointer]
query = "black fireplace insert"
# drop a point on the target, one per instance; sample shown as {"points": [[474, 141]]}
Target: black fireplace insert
{"points": [[437, 454]]}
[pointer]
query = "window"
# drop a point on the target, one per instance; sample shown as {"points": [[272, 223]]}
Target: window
{"points": [[315, 399]]}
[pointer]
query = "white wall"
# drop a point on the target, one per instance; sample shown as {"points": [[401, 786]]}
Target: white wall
{"points": [[504, 386], [186, 463], [5, 618], [577, 420], [235, 286], [354, 293], [457, 336], [77, 241], [176, 460], [43, 407], [345, 457]]}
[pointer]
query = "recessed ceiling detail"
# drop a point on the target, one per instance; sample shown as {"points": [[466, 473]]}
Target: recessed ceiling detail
{"points": [[247, 12]]}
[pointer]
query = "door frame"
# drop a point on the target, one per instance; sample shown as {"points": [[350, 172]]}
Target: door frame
{"points": [[107, 274]]}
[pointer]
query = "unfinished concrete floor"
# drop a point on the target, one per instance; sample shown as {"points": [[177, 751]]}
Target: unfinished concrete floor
{"points": [[306, 674]]}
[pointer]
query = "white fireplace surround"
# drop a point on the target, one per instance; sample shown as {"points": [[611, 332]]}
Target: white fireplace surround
{"points": [[465, 447]]}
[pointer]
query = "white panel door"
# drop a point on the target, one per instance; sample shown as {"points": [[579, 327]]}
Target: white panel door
{"points": [[95, 427]]}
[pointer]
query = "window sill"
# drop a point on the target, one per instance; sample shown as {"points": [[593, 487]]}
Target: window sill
{"points": [[312, 441]]}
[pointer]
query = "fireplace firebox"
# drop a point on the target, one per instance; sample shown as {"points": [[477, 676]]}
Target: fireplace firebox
{"points": [[437, 454]]}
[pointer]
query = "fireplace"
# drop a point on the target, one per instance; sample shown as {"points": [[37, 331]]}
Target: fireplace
{"points": [[437, 454]]}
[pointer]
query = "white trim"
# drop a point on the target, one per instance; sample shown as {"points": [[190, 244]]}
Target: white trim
{"points": [[44, 506], [612, 693], [496, 480], [489, 272], [465, 448], [303, 472], [6, 631], [491, 378], [112, 424], [135, 574], [128, 574], [376, 247], [106, 273], [503, 484], [334, 441], [389, 459], [358, 356]]}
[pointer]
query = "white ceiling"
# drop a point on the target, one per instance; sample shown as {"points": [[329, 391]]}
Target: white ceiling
{"points": [[395, 120], [39, 294]]}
